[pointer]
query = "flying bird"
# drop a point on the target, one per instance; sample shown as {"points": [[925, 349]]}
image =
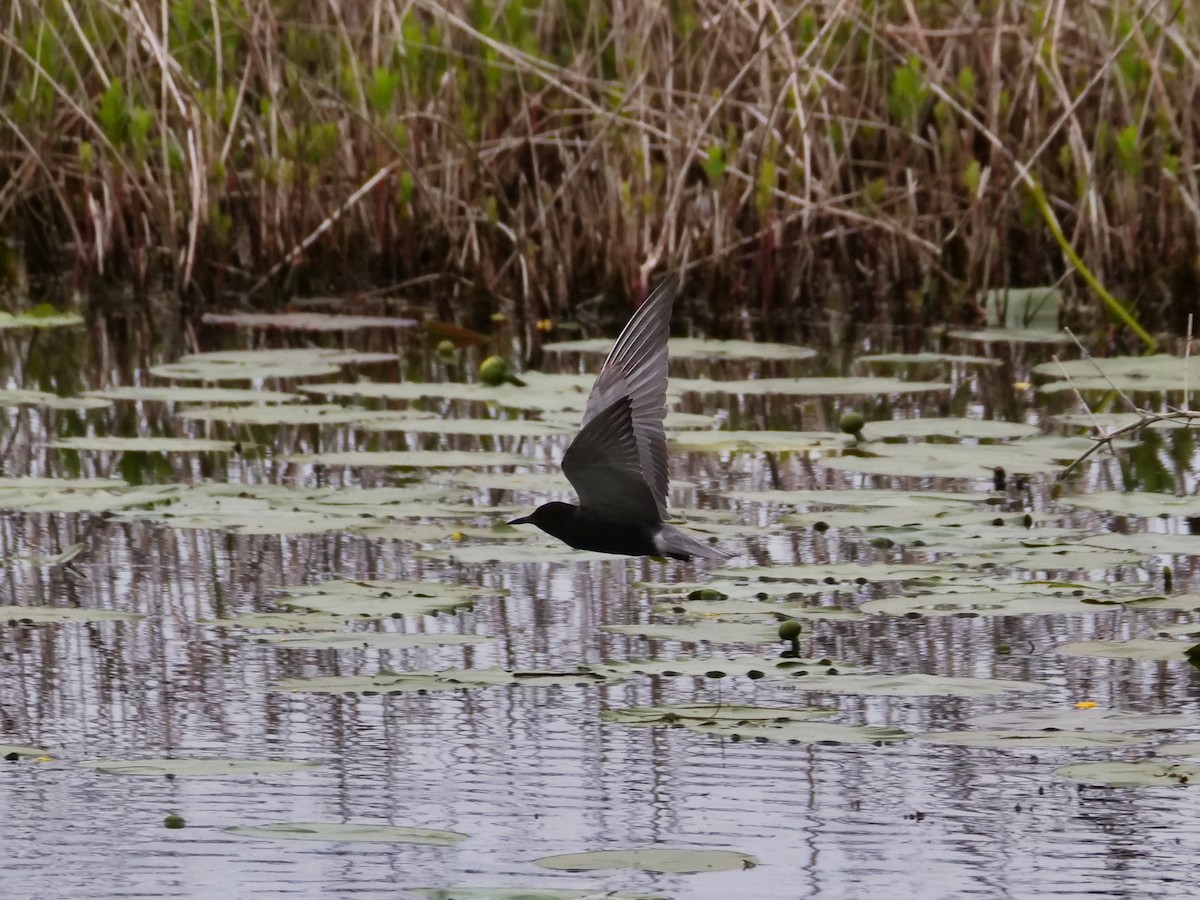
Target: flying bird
{"points": [[617, 463]]}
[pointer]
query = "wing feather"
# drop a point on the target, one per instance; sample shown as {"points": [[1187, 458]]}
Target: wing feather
{"points": [[636, 368], [604, 466]]}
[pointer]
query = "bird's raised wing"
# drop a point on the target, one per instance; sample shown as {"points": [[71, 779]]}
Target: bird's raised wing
{"points": [[604, 466], [637, 368]]}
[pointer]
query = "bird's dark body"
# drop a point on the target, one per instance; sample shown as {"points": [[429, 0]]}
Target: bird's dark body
{"points": [[584, 531]]}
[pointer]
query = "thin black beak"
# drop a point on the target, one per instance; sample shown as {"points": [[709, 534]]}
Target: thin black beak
{"points": [[524, 520]]}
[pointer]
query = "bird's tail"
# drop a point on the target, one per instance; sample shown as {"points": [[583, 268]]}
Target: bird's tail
{"points": [[678, 544]]}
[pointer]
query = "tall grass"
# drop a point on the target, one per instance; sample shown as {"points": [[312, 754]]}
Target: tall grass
{"points": [[830, 161]]}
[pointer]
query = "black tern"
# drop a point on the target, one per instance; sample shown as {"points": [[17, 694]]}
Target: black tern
{"points": [[617, 463]]}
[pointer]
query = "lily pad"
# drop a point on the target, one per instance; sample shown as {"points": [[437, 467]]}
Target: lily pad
{"points": [[382, 599], [349, 831], [1030, 456], [10, 750], [698, 348], [810, 387], [254, 365], [951, 359], [180, 394], [1094, 720], [425, 423], [290, 414], [1140, 773], [372, 640], [1137, 503], [197, 767], [41, 615], [916, 684], [46, 400], [1132, 374], [986, 429], [797, 726], [41, 316], [1025, 741], [701, 632], [428, 681], [673, 861], [409, 459], [715, 667], [82, 500], [113, 444], [757, 441], [308, 321], [1012, 336], [1166, 651]]}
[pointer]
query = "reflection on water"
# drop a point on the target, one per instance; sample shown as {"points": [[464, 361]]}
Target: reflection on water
{"points": [[528, 772]]}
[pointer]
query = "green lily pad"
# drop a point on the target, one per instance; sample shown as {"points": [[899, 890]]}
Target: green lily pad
{"points": [[178, 394], [1180, 748], [197, 768], [797, 726], [9, 750], [833, 574], [409, 459], [1094, 720], [428, 681], [715, 667], [986, 429], [698, 348], [1029, 456], [46, 400], [41, 316], [289, 414], [923, 502], [1112, 421], [1136, 503], [542, 393], [382, 599], [727, 713], [915, 684], [1166, 651], [348, 831], [1011, 336], [372, 640], [1025, 741], [307, 321], [425, 423], [41, 615], [113, 444], [1132, 374], [951, 359], [1148, 543], [253, 365], [673, 861], [85, 500], [990, 599], [810, 387], [1140, 773], [701, 632], [757, 441]]}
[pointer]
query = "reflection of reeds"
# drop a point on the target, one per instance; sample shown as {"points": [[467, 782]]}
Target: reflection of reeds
{"points": [[883, 159]]}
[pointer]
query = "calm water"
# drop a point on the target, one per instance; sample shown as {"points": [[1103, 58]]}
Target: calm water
{"points": [[527, 772]]}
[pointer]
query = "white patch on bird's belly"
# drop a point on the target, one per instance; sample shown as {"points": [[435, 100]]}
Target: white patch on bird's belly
{"points": [[661, 545]]}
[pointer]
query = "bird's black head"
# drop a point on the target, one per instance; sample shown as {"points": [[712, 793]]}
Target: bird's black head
{"points": [[553, 518]]}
